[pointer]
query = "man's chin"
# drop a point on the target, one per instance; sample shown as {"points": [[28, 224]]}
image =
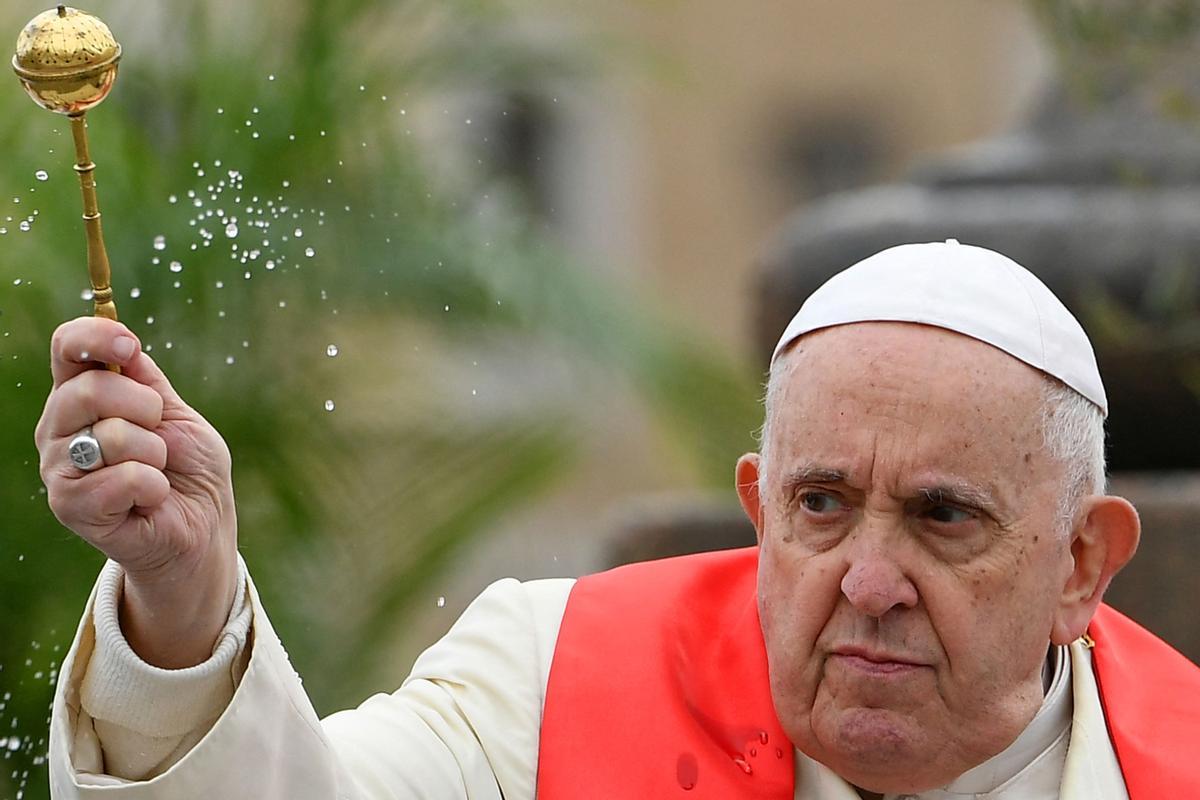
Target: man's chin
{"points": [[879, 750]]}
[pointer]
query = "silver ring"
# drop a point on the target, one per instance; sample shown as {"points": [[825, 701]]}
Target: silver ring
{"points": [[85, 451]]}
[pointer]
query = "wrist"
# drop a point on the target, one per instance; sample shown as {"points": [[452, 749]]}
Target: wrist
{"points": [[172, 620]]}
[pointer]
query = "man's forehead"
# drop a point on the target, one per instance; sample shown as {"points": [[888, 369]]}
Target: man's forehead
{"points": [[877, 352], [939, 407]]}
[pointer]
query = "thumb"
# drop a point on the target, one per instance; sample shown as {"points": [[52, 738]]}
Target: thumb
{"points": [[143, 369]]}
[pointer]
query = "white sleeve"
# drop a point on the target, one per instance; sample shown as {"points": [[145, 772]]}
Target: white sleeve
{"points": [[464, 725], [144, 717]]}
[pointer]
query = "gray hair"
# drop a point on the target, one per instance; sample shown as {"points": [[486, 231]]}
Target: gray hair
{"points": [[1072, 433]]}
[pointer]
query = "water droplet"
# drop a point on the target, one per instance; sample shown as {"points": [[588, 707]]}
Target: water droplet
{"points": [[779, 752], [16, 281], [762, 737], [160, 242], [331, 350], [329, 405], [41, 175], [86, 294], [24, 226], [753, 752], [298, 233], [175, 266], [446, 308], [172, 199], [270, 263], [441, 602], [271, 77], [228, 359], [741, 762], [149, 320], [231, 230]]}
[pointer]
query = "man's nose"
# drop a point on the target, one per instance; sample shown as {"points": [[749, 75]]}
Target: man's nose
{"points": [[874, 584]]}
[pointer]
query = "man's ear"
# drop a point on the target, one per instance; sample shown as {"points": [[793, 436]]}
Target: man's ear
{"points": [[746, 477], [1103, 540]]}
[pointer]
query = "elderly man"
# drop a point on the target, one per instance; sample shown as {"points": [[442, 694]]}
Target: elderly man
{"points": [[921, 618]]}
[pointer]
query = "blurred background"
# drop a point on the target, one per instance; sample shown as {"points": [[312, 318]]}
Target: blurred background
{"points": [[479, 288]]}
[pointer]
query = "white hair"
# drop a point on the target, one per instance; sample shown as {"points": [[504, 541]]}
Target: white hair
{"points": [[1072, 434]]}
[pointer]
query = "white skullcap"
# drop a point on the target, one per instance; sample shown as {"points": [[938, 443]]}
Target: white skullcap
{"points": [[970, 290]]}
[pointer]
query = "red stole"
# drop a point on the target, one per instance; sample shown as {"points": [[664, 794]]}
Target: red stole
{"points": [[658, 688]]}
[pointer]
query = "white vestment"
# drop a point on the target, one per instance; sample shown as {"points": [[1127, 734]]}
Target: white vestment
{"points": [[464, 724]]}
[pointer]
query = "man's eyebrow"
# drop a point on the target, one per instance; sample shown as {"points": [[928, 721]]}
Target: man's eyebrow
{"points": [[960, 493], [810, 473]]}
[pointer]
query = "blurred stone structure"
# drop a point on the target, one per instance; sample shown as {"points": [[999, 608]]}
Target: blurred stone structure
{"points": [[1102, 202]]}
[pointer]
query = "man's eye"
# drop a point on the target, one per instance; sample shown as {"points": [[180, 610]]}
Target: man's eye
{"points": [[820, 502], [948, 515]]}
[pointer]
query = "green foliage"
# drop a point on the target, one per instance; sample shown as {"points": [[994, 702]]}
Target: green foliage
{"points": [[1108, 47], [378, 497]]}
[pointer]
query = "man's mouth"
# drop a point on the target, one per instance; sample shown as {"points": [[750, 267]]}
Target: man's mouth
{"points": [[875, 662]]}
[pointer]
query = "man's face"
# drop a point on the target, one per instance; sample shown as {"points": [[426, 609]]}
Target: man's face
{"points": [[910, 563]]}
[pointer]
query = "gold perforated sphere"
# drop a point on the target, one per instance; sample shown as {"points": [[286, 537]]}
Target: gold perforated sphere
{"points": [[66, 60]]}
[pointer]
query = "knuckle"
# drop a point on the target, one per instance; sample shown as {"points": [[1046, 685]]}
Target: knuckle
{"points": [[83, 390], [46, 469], [60, 505], [59, 338], [39, 433]]}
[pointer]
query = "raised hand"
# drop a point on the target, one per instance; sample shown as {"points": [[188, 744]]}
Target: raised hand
{"points": [[160, 501]]}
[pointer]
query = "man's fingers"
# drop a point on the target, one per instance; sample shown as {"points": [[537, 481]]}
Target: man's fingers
{"points": [[98, 502], [95, 395], [121, 440], [78, 345]]}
